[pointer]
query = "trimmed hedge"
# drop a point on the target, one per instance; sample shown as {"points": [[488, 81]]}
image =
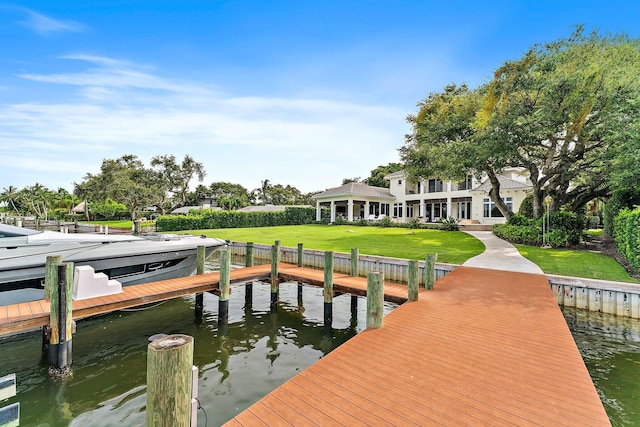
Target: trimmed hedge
{"points": [[207, 219], [565, 229], [626, 232]]}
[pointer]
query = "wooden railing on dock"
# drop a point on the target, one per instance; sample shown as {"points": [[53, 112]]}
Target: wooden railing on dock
{"points": [[394, 269], [30, 315]]}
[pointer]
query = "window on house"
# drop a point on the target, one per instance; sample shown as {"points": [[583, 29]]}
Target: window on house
{"points": [[491, 211], [466, 184], [435, 186], [397, 210]]}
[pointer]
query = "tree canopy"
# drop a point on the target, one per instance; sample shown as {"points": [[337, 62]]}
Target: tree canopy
{"points": [[566, 112]]}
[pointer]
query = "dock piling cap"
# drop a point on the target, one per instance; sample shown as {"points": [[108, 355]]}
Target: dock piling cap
{"points": [[169, 342], [152, 338]]}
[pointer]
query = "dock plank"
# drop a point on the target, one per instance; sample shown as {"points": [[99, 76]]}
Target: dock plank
{"points": [[482, 348]]}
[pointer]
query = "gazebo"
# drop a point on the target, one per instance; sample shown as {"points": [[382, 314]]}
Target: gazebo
{"points": [[353, 201]]}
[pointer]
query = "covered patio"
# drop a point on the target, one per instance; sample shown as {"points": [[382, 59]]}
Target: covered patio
{"points": [[353, 201]]}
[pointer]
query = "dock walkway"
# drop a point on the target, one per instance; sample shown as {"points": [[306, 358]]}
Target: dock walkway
{"points": [[485, 347], [30, 315]]}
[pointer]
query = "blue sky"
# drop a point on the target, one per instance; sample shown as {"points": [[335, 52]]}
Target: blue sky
{"points": [[302, 93]]}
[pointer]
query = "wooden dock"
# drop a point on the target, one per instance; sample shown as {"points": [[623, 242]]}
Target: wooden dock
{"points": [[30, 315], [485, 347]]}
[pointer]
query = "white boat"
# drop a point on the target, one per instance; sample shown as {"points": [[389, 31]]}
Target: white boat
{"points": [[127, 258]]}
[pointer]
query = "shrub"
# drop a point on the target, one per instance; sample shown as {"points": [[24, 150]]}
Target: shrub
{"points": [[449, 224], [521, 220], [627, 236], [525, 234], [413, 223], [207, 219], [571, 223], [558, 238], [526, 207], [385, 222]]}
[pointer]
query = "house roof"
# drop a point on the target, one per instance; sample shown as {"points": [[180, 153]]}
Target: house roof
{"points": [[505, 184], [394, 175], [79, 208], [355, 189]]}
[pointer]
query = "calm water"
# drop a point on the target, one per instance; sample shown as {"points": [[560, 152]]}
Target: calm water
{"points": [[610, 347], [259, 351]]}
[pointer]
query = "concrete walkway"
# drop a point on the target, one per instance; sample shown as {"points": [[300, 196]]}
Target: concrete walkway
{"points": [[500, 255]]}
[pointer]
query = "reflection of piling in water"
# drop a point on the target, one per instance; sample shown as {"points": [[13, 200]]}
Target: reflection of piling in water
{"points": [[275, 260], [200, 257], [328, 288], [224, 286]]}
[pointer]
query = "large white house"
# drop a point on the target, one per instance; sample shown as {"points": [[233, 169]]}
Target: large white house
{"points": [[427, 200]]}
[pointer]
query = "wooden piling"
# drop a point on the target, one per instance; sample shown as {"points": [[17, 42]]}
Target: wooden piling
{"points": [[169, 377], [328, 287], [225, 281], [61, 322], [249, 255], [375, 300], [275, 260], [300, 254], [412, 280], [200, 258], [355, 254], [51, 274], [429, 271]]}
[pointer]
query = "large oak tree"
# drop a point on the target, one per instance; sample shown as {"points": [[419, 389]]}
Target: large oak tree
{"points": [[566, 111]]}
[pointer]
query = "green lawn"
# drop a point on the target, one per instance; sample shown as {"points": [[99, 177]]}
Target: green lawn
{"points": [[124, 224], [568, 262], [451, 246]]}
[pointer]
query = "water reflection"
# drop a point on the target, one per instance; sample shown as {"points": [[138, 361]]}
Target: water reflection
{"points": [[610, 347], [241, 361]]}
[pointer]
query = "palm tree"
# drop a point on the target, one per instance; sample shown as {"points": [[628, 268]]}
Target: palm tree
{"points": [[9, 196]]}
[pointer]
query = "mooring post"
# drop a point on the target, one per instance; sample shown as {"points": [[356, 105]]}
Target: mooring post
{"points": [[412, 280], [328, 288], [169, 379], [300, 254], [248, 262], [51, 274], [50, 281], [375, 300], [61, 322], [224, 286], [200, 257], [275, 260], [430, 271], [355, 259]]}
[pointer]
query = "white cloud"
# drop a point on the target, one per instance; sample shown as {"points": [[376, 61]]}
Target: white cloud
{"points": [[122, 108], [45, 25]]}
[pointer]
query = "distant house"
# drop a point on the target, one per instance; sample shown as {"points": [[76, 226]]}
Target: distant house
{"points": [[186, 209], [427, 200], [269, 208], [353, 201], [79, 208]]}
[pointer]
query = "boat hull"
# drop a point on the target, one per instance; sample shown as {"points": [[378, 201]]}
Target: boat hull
{"points": [[22, 269]]}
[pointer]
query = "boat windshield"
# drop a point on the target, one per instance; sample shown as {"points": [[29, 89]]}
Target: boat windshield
{"points": [[12, 231]]}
